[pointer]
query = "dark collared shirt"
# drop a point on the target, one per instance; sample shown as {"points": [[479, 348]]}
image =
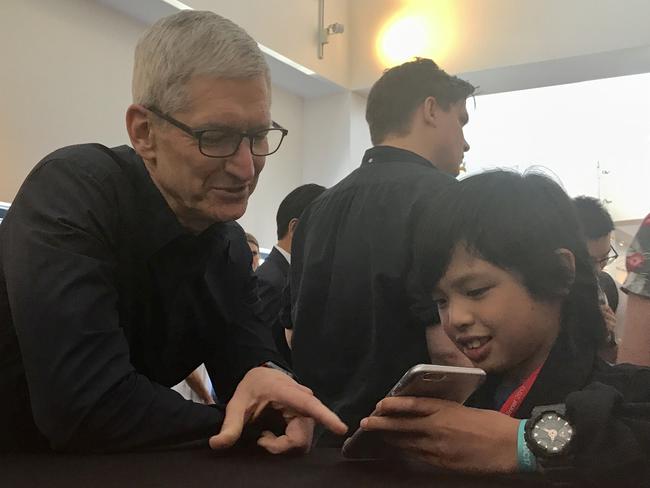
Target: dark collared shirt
{"points": [[106, 301], [272, 276], [357, 325]]}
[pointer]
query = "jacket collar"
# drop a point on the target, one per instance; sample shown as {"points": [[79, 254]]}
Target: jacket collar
{"points": [[390, 154], [280, 255], [568, 368]]}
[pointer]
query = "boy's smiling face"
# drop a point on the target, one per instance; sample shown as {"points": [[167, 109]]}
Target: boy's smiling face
{"points": [[493, 319]]}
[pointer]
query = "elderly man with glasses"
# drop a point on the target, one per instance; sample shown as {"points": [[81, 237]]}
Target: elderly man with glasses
{"points": [[122, 269]]}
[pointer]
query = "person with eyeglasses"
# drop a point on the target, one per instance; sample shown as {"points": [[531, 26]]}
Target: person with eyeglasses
{"points": [[123, 269], [597, 227]]}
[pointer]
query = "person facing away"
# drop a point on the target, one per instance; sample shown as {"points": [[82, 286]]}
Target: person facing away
{"points": [[255, 250], [518, 296], [635, 347], [597, 227], [122, 270], [272, 275], [357, 328]]}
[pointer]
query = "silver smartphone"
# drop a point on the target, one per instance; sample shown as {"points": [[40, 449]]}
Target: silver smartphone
{"points": [[452, 383]]}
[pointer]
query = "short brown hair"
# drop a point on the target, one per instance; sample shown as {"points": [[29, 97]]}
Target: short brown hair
{"points": [[394, 97], [251, 238]]}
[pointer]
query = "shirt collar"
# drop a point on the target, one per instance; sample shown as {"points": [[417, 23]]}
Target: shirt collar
{"points": [[384, 154], [284, 253]]}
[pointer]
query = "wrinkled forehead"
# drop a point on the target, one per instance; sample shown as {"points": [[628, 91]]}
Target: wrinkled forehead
{"points": [[243, 101]]}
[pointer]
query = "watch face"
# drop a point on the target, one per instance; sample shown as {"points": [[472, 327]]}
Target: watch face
{"points": [[552, 433]]}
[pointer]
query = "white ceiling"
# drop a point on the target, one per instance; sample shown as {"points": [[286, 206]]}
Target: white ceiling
{"points": [[499, 45], [285, 73]]}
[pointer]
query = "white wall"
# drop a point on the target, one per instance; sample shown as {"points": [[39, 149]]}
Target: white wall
{"points": [[359, 132], [327, 139], [336, 137], [65, 79], [290, 27]]}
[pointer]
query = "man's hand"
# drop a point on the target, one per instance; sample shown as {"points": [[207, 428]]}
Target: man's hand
{"points": [[447, 434], [263, 388]]}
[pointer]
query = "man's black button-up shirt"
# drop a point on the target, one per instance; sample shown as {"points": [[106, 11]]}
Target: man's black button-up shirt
{"points": [[357, 325], [106, 301]]}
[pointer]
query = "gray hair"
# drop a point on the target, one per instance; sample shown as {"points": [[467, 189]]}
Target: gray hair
{"points": [[187, 44]]}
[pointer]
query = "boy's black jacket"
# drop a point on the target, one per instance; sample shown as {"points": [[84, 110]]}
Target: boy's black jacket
{"points": [[609, 407]]}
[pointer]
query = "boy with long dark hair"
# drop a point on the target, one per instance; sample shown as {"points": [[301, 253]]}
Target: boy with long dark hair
{"points": [[517, 294]]}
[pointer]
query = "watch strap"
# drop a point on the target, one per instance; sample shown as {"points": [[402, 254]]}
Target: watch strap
{"points": [[526, 461]]}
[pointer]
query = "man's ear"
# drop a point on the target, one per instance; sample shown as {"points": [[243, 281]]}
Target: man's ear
{"points": [[569, 260], [293, 223], [430, 110], [140, 132]]}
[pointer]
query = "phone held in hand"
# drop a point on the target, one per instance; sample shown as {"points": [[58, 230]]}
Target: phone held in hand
{"points": [[452, 383]]}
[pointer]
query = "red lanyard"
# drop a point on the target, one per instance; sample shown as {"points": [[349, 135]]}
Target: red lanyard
{"points": [[514, 401]]}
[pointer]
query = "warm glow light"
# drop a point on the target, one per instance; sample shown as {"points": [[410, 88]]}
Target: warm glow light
{"points": [[422, 29], [404, 39]]}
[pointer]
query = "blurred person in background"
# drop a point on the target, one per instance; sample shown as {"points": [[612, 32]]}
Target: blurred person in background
{"points": [[598, 227], [635, 347], [273, 274], [255, 250]]}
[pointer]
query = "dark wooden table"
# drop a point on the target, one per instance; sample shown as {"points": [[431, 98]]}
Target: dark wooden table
{"points": [[238, 468]]}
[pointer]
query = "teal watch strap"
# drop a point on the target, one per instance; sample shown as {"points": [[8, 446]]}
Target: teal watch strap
{"points": [[526, 461]]}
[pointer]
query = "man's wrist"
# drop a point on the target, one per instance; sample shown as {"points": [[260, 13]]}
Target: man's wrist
{"points": [[272, 365]]}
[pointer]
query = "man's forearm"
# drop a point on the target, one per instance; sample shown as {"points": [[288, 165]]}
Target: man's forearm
{"points": [[139, 414]]}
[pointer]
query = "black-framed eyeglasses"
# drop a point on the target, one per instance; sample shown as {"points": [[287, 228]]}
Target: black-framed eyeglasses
{"points": [[223, 142], [609, 259]]}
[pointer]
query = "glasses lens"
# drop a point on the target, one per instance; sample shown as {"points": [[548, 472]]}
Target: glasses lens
{"points": [[219, 143], [267, 142]]}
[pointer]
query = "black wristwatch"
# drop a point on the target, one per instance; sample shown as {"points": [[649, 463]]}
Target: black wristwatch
{"points": [[549, 435]]}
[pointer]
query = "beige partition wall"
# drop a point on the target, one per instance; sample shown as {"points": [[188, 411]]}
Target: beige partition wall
{"points": [[65, 80]]}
